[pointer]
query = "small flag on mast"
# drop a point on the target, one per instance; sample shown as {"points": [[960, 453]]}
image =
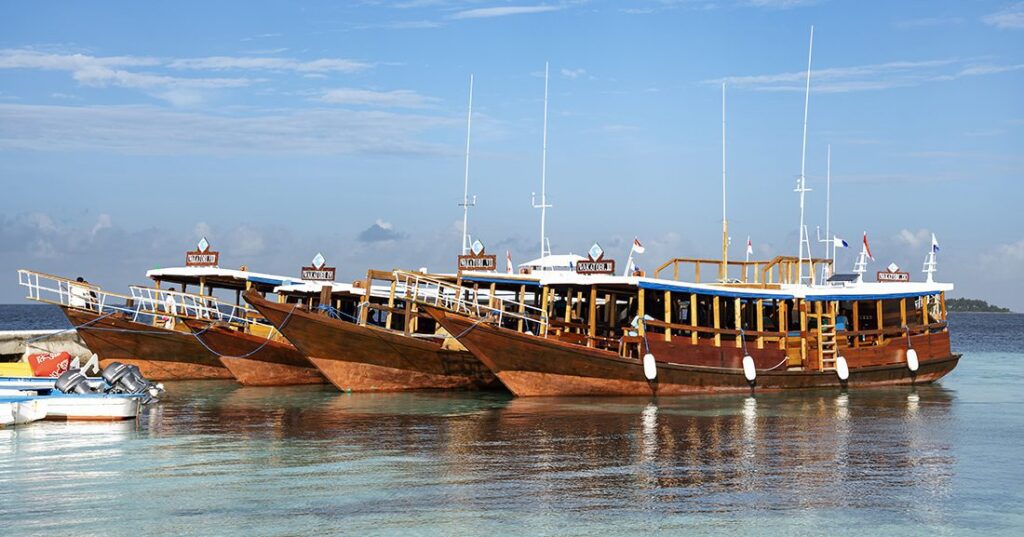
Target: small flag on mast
{"points": [[508, 261], [866, 247], [935, 244], [637, 247], [839, 243], [750, 246]]}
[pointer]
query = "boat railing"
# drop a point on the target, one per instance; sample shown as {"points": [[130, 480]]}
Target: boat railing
{"points": [[469, 301], [155, 301], [80, 295]]}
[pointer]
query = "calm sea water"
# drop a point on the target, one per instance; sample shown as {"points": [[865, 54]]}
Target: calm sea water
{"points": [[218, 459]]}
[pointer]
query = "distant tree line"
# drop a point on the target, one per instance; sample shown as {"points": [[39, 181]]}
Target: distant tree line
{"points": [[973, 305]]}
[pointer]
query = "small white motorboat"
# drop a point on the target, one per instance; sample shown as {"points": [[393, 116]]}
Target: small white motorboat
{"points": [[19, 409], [6, 413], [93, 406]]}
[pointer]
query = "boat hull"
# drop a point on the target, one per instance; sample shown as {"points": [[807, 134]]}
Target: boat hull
{"points": [[371, 359], [99, 407], [274, 363], [533, 366], [159, 353]]}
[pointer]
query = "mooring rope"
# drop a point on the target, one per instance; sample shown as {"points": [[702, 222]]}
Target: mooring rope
{"points": [[257, 349]]}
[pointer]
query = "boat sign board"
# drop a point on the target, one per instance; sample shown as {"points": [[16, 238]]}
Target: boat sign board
{"points": [[202, 256], [595, 262], [319, 271], [897, 276], [478, 259]]}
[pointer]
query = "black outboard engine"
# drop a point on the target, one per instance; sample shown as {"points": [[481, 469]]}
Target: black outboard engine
{"points": [[123, 378], [73, 381]]}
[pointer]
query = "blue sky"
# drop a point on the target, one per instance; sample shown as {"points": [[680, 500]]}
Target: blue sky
{"points": [[128, 131]]}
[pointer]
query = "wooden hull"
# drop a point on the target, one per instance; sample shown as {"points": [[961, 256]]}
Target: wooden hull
{"points": [[160, 354], [275, 363], [533, 366], [371, 359]]}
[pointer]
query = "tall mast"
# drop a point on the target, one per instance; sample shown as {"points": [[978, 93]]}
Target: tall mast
{"points": [[831, 244], [543, 206], [466, 203], [723, 271], [802, 186]]}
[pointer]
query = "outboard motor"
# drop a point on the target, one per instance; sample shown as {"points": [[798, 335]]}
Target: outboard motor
{"points": [[73, 381], [124, 378]]}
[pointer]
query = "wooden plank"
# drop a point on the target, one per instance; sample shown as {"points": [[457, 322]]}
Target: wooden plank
{"points": [[522, 306], [693, 317], [738, 321], [783, 314], [592, 316], [942, 304], [802, 306], [903, 312], [640, 312], [856, 321], [880, 321], [717, 320], [364, 303], [759, 311], [391, 304], [668, 314], [924, 309]]}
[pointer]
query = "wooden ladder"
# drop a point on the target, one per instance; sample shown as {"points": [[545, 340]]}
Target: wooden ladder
{"points": [[828, 348]]}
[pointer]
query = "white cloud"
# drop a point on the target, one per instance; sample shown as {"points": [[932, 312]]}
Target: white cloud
{"points": [[504, 11], [109, 71], [914, 239], [152, 130], [866, 77], [573, 73], [103, 222], [395, 98], [780, 4], [1009, 18], [224, 63]]}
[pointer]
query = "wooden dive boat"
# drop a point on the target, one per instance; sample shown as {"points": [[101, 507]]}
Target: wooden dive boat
{"points": [[255, 360], [594, 333], [366, 358], [160, 353]]}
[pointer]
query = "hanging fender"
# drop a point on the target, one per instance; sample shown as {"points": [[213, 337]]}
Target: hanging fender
{"points": [[650, 367]]}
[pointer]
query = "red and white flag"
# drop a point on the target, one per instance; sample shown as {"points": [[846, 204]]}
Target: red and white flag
{"points": [[750, 247], [866, 247], [508, 261], [637, 247]]}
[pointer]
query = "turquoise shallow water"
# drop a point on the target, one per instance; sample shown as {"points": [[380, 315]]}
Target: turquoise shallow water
{"points": [[215, 458]]}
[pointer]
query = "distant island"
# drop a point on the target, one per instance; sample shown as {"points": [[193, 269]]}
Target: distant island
{"points": [[973, 305]]}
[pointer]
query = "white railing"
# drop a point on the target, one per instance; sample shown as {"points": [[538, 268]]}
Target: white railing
{"points": [[82, 295], [468, 301], [155, 301]]}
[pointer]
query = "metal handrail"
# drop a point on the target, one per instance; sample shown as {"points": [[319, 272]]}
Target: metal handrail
{"points": [[467, 301], [200, 307], [84, 296]]}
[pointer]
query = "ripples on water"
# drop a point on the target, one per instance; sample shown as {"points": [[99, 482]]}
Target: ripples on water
{"points": [[218, 459]]}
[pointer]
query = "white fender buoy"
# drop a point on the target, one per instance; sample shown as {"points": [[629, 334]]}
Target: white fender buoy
{"points": [[912, 362], [650, 367], [842, 368], [749, 371]]}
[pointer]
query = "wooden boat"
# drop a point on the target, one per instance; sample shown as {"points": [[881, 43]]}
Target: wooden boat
{"points": [[357, 349], [139, 330], [595, 333]]}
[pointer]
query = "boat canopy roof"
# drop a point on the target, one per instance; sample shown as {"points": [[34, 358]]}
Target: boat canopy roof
{"points": [[314, 288], [848, 291], [556, 262], [220, 278]]}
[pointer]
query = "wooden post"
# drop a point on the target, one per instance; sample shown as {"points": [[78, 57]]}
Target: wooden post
{"points": [[493, 299], [693, 318], [325, 295], [783, 313], [696, 272], [924, 310], [856, 322], [202, 285], [391, 305], [738, 320], [592, 316], [640, 312], [903, 312], [802, 305], [522, 306], [717, 320], [881, 320], [759, 311], [668, 315], [407, 325], [942, 306], [675, 270], [568, 306]]}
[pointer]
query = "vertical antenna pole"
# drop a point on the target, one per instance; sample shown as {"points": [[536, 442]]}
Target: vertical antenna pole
{"points": [[803, 178], [465, 190], [723, 271], [831, 244], [544, 250]]}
